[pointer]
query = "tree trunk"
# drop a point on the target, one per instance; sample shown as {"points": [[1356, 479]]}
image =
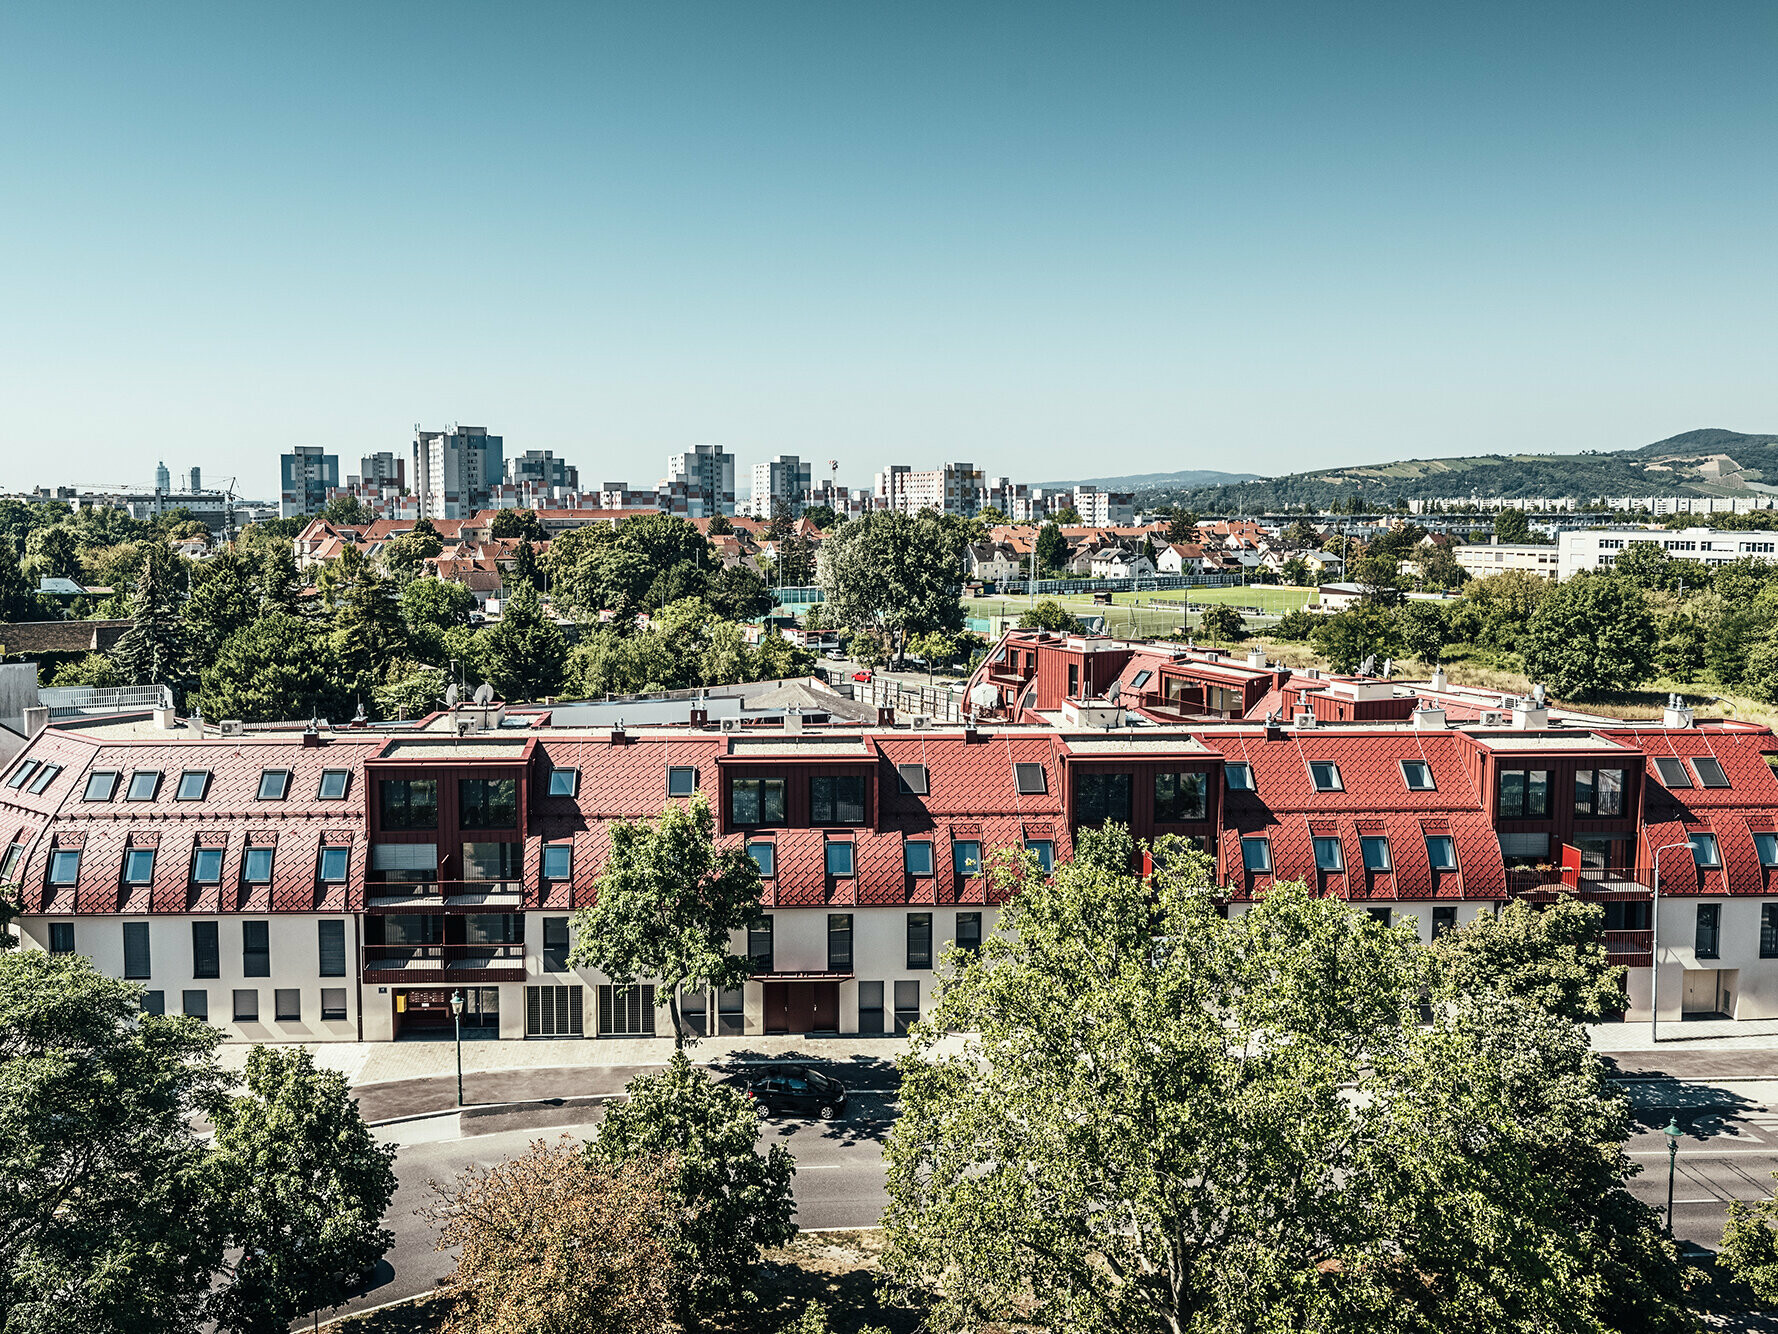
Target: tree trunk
{"points": [[673, 1015]]}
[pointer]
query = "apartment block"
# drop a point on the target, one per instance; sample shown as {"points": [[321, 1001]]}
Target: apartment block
{"points": [[950, 488], [456, 470], [541, 468], [707, 474], [1497, 557], [1099, 508], [782, 483], [376, 471], [1599, 548], [305, 474]]}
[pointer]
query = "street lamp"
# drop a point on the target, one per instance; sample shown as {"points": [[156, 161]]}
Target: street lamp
{"points": [[457, 1014], [1672, 1132], [1654, 946]]}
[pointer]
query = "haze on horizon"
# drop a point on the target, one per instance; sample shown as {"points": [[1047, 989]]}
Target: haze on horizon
{"points": [[1055, 240]]}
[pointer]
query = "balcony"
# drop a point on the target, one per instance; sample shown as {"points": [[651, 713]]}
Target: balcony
{"points": [[404, 896], [1632, 949], [420, 964], [1594, 883]]}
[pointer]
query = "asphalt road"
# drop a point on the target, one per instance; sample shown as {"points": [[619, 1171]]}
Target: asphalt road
{"points": [[1728, 1149]]}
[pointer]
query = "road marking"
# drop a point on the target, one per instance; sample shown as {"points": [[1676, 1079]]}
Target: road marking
{"points": [[1706, 1153]]}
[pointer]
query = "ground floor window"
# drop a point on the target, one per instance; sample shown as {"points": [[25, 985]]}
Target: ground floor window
{"points": [[246, 1007], [907, 1006], [287, 1005], [554, 1012], [731, 1013], [154, 1002], [333, 1002], [626, 1011], [196, 1004], [694, 1006], [870, 1007]]}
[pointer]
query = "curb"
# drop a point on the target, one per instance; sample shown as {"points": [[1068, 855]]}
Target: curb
{"points": [[476, 1109]]}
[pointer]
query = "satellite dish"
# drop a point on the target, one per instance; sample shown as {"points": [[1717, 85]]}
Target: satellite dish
{"points": [[1368, 666], [451, 695], [984, 696], [1388, 666], [484, 693], [1114, 694]]}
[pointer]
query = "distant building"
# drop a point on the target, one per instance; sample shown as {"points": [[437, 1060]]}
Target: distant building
{"points": [[784, 481], [708, 475], [163, 480], [1104, 509], [383, 469], [540, 467], [196, 481], [304, 476], [455, 471], [1599, 548], [1482, 559], [950, 488]]}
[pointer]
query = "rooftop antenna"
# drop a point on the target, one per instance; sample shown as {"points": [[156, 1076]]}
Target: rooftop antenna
{"points": [[1369, 666], [360, 717], [484, 693]]}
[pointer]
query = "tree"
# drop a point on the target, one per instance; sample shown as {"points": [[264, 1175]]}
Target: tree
{"points": [[1052, 548], [279, 667], [368, 632], [1648, 566], [526, 568], [1049, 614], [18, 601], [822, 516], [1439, 568], [1512, 526], [156, 649], [720, 525], [1156, 1099], [1552, 958], [1380, 578], [1221, 623], [92, 669], [429, 608], [1749, 1249], [739, 594], [1592, 634], [405, 557], [1295, 571], [1506, 603], [1424, 628], [1067, 517], [280, 583], [111, 1220], [310, 1185], [1182, 525], [796, 560], [1298, 624], [1347, 638], [224, 598], [726, 659], [523, 655], [555, 1244], [521, 523], [895, 574], [668, 899], [728, 1200], [53, 553], [347, 510]]}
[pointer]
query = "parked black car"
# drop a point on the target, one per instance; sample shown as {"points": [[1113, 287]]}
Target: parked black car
{"points": [[796, 1089]]}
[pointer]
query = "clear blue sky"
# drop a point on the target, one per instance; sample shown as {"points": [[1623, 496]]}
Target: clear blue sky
{"points": [[1054, 239]]}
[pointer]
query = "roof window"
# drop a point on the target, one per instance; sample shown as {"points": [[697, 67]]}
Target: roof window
{"points": [[566, 782], [1417, 774], [915, 781], [1140, 679], [1239, 776], [193, 784], [144, 783], [1672, 772], [274, 784], [334, 783], [23, 772], [101, 786], [1030, 780], [1325, 776], [682, 780], [45, 776], [1709, 771]]}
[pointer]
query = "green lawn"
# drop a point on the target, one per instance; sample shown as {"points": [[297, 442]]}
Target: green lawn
{"points": [[1159, 612]]}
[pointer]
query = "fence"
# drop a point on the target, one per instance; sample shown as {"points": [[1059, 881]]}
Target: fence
{"points": [[1158, 582], [936, 702], [73, 701]]}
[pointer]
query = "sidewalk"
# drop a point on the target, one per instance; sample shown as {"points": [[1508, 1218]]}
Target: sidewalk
{"points": [[1751, 1035]]}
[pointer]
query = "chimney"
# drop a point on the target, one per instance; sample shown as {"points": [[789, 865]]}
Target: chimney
{"points": [[885, 716], [36, 719], [1256, 659], [1429, 718], [793, 719], [1676, 714], [700, 717], [194, 726], [166, 718], [1438, 678]]}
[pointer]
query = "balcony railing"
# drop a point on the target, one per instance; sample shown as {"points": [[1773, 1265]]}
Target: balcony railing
{"points": [[1633, 949], [1592, 882], [439, 963], [418, 895]]}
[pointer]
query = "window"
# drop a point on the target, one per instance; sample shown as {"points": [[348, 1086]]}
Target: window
{"points": [[682, 781], [334, 864], [196, 1004], [915, 780], [334, 783], [9, 862], [144, 783], [287, 1005], [907, 1006], [1381, 916], [625, 1011], [731, 1013], [1704, 851], [969, 932], [206, 952], [1326, 777], [1441, 852], [487, 803], [493, 861], [1256, 856], [206, 866], [1179, 797], [839, 857], [246, 1007], [764, 857], [1768, 931], [870, 1007], [1444, 918], [256, 869], [256, 949], [966, 857], [1030, 780], [398, 862], [836, 800], [138, 866], [756, 801], [154, 1003], [555, 944], [1045, 851], [839, 942], [1524, 794], [23, 773], [1099, 797], [916, 858], [919, 940], [1376, 854], [45, 776], [1709, 771], [61, 937], [408, 803], [494, 928], [64, 866], [1766, 845], [194, 784], [1599, 792], [331, 943], [1140, 679], [1238, 776], [274, 784], [1327, 855], [1708, 941], [135, 950], [333, 1003], [1417, 774], [1672, 772], [558, 861], [759, 944], [101, 786], [566, 783]]}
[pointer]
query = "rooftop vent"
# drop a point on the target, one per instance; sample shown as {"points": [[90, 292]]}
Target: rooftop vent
{"points": [[1429, 718], [1438, 678], [1676, 714], [233, 727]]}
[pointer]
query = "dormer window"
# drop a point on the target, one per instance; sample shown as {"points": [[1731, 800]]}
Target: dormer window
{"points": [[256, 869], [64, 866], [144, 783], [334, 864], [206, 866], [1326, 777], [836, 800], [840, 858], [138, 866], [1239, 776]]}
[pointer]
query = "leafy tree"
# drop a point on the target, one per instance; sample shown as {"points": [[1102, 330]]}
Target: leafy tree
{"points": [[526, 568], [1648, 566], [368, 631], [1295, 571], [53, 553], [224, 598], [1760, 675], [553, 1243], [1347, 638], [1302, 534], [777, 659], [1297, 625], [1067, 517], [310, 1185], [156, 649], [895, 574], [410, 689], [405, 557], [668, 900], [1679, 652], [279, 667], [1380, 578], [1552, 958], [1506, 603], [1049, 614], [1424, 628], [1439, 568], [521, 523], [729, 1200], [796, 560], [1052, 548], [1221, 623], [1593, 634], [523, 655], [280, 583], [726, 659], [429, 608], [1749, 1249], [822, 516], [92, 669], [739, 594], [588, 572], [1513, 526], [111, 1220], [347, 510], [18, 600]]}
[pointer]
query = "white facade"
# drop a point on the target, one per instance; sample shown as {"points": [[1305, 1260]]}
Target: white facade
{"points": [[455, 471], [1104, 509], [950, 488], [1482, 560], [708, 474], [784, 481], [1599, 548]]}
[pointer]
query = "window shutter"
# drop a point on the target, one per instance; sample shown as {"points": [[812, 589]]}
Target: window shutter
{"points": [[533, 1001], [333, 948], [1525, 845], [605, 1009], [646, 999], [135, 949], [576, 1021]]}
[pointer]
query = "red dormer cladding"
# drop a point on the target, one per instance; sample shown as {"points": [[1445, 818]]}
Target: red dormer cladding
{"points": [[1545, 789]]}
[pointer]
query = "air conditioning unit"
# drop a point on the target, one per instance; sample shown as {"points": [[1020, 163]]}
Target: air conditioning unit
{"points": [[467, 725], [920, 720], [233, 727], [1493, 718], [729, 724], [1305, 720]]}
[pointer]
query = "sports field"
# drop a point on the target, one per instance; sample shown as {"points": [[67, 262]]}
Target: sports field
{"points": [[1156, 609]]}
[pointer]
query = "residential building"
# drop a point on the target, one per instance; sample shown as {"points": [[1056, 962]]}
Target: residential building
{"points": [[994, 562], [541, 468], [784, 482], [1497, 557], [304, 474], [950, 488], [163, 480], [456, 470], [707, 472], [383, 469], [1599, 548], [1104, 509], [194, 480]]}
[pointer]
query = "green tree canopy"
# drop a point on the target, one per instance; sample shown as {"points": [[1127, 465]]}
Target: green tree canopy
{"points": [[1048, 614], [1551, 958], [1513, 526], [516, 523], [1348, 637], [895, 574], [1593, 634], [1425, 629], [157, 648], [224, 598], [279, 667], [1221, 623], [524, 654], [1052, 548]]}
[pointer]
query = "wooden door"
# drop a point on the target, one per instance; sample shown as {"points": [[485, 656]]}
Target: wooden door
{"points": [[825, 1003], [777, 1007], [801, 1006]]}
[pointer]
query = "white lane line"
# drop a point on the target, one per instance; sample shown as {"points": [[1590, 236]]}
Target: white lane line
{"points": [[1706, 1153]]}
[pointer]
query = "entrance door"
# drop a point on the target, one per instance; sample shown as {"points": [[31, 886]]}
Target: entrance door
{"points": [[824, 1007], [802, 1007], [428, 1011], [777, 1007], [1703, 991]]}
